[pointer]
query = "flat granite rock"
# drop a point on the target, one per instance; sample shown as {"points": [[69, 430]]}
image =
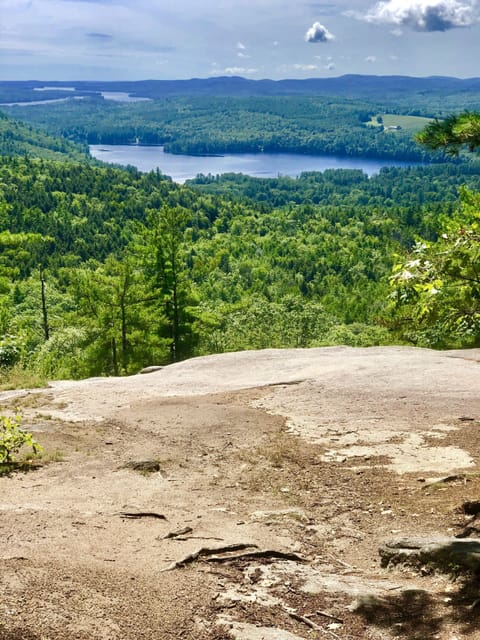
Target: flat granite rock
{"points": [[439, 552], [151, 369], [246, 631]]}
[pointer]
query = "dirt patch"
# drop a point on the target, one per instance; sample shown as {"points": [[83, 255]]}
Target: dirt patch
{"points": [[295, 451]]}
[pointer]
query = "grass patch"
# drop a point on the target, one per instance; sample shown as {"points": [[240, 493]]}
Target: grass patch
{"points": [[145, 467], [285, 467], [45, 457], [283, 450], [19, 378], [31, 462], [19, 466], [410, 124]]}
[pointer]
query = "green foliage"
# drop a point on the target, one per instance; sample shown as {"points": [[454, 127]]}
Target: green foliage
{"points": [[21, 252], [63, 355], [129, 269], [213, 125], [392, 123], [453, 133], [9, 351], [20, 139], [437, 290], [356, 334], [168, 271], [260, 324], [70, 212], [21, 377], [114, 331], [13, 438]]}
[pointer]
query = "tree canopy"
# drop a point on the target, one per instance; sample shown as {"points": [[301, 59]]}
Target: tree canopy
{"points": [[105, 270], [453, 133], [437, 289]]}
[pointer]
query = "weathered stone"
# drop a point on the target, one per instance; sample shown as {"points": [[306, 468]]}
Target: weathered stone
{"points": [[449, 555], [151, 369]]}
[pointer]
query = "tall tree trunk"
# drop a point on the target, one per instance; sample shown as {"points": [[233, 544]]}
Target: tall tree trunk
{"points": [[114, 357]]}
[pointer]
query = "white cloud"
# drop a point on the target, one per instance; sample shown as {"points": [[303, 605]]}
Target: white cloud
{"points": [[330, 66], [371, 59], [235, 71], [318, 33], [135, 39], [304, 67], [285, 68], [423, 15]]}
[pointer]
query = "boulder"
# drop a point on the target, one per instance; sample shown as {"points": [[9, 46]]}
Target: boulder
{"points": [[449, 555], [151, 369]]}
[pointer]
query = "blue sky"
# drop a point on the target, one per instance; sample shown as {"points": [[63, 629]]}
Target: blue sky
{"points": [[139, 39]]}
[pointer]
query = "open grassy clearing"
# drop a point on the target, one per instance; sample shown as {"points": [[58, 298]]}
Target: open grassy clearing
{"points": [[407, 123]]}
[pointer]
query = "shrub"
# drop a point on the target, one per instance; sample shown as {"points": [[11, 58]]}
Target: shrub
{"points": [[9, 351], [13, 438]]}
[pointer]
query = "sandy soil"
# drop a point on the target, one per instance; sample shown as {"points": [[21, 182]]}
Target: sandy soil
{"points": [[312, 457]]}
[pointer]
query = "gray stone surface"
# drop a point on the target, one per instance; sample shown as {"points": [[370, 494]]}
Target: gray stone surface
{"points": [[449, 555]]}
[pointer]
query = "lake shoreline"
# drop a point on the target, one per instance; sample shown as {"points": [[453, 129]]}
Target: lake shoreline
{"points": [[260, 164]]}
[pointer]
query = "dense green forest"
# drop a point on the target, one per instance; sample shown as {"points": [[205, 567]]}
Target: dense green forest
{"points": [[104, 269], [205, 125], [331, 116], [17, 138], [406, 91]]}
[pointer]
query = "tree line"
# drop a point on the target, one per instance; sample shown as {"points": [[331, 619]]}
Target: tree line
{"points": [[104, 270], [216, 125]]}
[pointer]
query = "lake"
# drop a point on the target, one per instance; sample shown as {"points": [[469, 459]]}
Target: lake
{"points": [[34, 103], [121, 96], [116, 96], [259, 165]]}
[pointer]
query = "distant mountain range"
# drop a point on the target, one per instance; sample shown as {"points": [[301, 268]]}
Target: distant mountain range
{"points": [[347, 85]]}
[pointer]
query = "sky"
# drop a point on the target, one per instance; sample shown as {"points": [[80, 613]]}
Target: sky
{"points": [[173, 39]]}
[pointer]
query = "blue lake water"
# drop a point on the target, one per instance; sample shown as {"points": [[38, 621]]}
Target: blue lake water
{"points": [[259, 165], [121, 96], [33, 103], [116, 96]]}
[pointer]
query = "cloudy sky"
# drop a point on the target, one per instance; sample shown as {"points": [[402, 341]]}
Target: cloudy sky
{"points": [[164, 39]]}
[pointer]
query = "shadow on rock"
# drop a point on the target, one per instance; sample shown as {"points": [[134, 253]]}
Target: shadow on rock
{"points": [[9, 468], [418, 615], [465, 605], [410, 614]]}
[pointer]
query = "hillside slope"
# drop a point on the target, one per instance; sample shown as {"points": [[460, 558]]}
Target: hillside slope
{"points": [[20, 139], [348, 85], [313, 457]]}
